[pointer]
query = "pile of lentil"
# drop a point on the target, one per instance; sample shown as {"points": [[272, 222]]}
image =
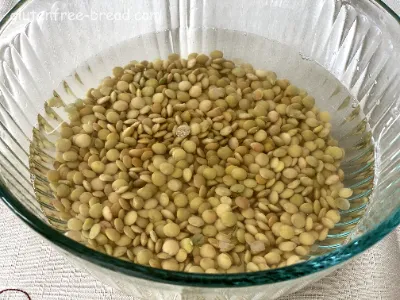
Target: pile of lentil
{"points": [[198, 165]]}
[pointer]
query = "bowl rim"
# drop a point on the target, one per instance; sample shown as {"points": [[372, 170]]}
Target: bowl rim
{"points": [[270, 276]]}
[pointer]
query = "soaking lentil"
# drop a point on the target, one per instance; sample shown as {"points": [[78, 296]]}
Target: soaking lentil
{"points": [[199, 165]]}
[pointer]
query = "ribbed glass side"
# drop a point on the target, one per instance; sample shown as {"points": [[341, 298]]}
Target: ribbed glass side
{"points": [[343, 52]]}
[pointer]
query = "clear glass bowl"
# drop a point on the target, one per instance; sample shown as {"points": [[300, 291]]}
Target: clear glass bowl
{"points": [[345, 53]]}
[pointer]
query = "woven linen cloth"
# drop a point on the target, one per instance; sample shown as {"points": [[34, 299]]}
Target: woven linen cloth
{"points": [[27, 262]]}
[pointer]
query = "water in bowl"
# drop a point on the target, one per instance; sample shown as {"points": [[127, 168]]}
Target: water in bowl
{"points": [[350, 127]]}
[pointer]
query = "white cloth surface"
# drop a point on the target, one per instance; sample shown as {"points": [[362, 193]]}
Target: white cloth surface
{"points": [[27, 262]]}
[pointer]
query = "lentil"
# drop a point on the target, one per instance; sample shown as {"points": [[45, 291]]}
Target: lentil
{"points": [[199, 165]]}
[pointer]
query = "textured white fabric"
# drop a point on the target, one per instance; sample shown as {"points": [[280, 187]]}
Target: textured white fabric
{"points": [[27, 262]]}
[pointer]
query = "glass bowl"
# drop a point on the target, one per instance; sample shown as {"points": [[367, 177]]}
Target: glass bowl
{"points": [[345, 53]]}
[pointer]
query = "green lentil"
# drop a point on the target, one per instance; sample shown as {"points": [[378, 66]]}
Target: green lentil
{"points": [[198, 165]]}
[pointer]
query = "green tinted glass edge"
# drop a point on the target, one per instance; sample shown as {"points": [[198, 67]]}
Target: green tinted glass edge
{"points": [[203, 280]]}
